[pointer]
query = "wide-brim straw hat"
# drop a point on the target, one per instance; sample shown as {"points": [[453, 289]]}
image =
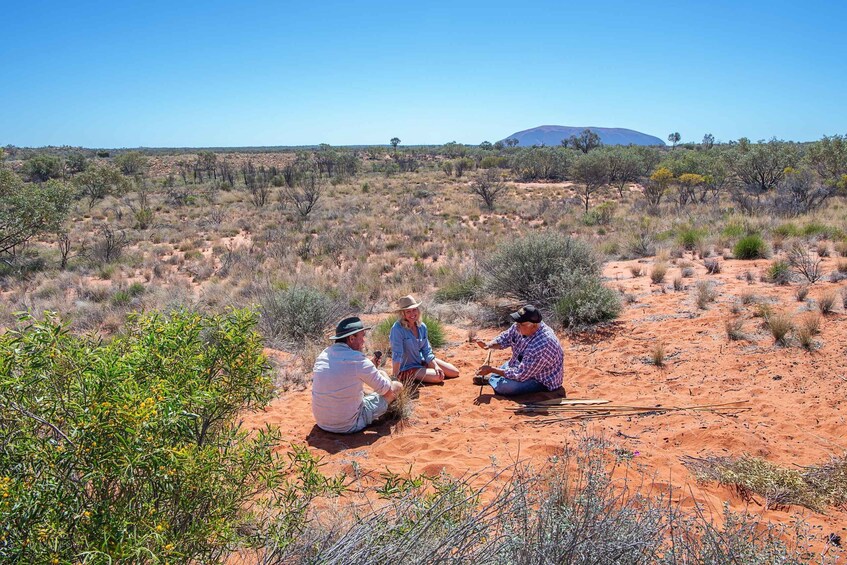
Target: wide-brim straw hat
{"points": [[348, 327], [407, 303]]}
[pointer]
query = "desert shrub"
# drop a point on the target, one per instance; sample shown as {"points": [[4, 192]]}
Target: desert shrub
{"points": [[585, 300], [734, 329], [808, 327], [826, 302], [713, 266], [780, 325], [657, 354], [636, 270], [460, 287], [129, 450], [689, 238], [779, 272], [571, 511], [292, 316], [435, 330], [801, 292], [678, 285], [814, 486], [844, 297], [750, 247], [804, 264], [658, 272], [705, 294], [548, 270]]}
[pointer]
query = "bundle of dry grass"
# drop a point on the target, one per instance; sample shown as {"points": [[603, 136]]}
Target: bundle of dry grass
{"points": [[567, 409]]}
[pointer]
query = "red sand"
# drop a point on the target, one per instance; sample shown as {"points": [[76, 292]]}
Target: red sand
{"points": [[796, 397]]}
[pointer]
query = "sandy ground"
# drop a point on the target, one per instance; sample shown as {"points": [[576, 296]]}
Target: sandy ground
{"points": [[796, 413]]}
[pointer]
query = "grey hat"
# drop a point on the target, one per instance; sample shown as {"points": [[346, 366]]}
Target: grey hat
{"points": [[348, 327]]}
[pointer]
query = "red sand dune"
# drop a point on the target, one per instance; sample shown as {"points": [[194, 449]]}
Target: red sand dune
{"points": [[796, 397]]}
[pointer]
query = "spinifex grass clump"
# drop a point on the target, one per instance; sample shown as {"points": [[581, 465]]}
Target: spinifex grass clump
{"points": [[292, 316], [751, 247], [130, 450], [558, 274]]}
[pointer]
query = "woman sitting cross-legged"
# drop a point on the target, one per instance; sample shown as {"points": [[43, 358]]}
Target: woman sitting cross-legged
{"points": [[412, 358]]}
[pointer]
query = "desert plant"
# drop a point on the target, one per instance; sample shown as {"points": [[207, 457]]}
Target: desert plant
{"points": [[558, 274], [130, 447], [801, 292], [780, 324], [705, 294], [779, 272], [658, 272], [460, 287], [678, 284], [826, 302], [657, 354], [488, 187], [734, 329], [808, 327], [804, 264], [292, 316], [844, 298], [636, 270], [750, 247]]}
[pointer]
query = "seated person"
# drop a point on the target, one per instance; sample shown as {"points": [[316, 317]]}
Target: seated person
{"points": [[339, 403], [411, 353], [537, 357]]}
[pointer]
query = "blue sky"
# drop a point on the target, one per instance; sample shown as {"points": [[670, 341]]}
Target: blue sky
{"points": [[214, 73]]}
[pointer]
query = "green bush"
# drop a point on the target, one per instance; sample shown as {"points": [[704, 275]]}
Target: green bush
{"points": [[460, 288], [129, 450], [585, 300], [779, 272], [545, 269], [751, 247], [292, 316], [689, 238], [435, 330]]}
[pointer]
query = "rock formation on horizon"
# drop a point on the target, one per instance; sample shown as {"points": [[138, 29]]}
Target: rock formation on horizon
{"points": [[553, 135]]}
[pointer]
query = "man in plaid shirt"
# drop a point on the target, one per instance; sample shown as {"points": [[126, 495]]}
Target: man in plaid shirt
{"points": [[537, 357]]}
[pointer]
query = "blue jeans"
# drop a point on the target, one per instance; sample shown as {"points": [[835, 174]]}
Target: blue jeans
{"points": [[373, 406], [508, 387]]}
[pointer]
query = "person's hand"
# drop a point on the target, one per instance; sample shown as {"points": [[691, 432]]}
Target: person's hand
{"points": [[482, 344], [485, 370], [439, 372]]}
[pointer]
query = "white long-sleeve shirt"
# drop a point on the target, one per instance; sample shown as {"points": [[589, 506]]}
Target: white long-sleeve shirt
{"points": [[337, 386]]}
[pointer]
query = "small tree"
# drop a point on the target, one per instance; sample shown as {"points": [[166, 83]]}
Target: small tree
{"points": [[585, 141], [395, 141], [98, 182], [131, 163], [512, 142], [674, 139], [591, 172], [304, 195], [654, 190], [488, 186], [42, 168], [27, 210], [708, 141]]}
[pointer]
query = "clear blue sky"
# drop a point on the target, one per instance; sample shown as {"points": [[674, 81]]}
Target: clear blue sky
{"points": [[214, 73]]}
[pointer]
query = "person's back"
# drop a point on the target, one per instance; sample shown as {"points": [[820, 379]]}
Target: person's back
{"points": [[337, 387]]}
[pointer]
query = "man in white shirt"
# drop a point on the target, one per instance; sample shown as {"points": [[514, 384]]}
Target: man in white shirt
{"points": [[339, 403]]}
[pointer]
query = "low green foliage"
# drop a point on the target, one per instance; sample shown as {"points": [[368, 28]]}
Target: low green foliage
{"points": [[128, 451], [460, 288], [558, 274], [779, 272], [689, 238], [751, 247], [292, 316]]}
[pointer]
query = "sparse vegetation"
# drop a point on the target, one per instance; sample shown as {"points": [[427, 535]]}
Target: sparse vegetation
{"points": [[750, 247]]}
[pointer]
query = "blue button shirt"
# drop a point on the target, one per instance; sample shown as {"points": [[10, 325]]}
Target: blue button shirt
{"points": [[410, 351]]}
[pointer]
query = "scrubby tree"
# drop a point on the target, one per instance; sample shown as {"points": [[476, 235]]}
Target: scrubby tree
{"points": [[585, 141], [488, 186], [624, 167], [829, 158], [131, 163], [658, 185], [304, 195], [75, 163], [590, 171], [759, 168], [28, 209], [42, 168], [395, 141], [98, 182], [512, 142], [708, 141], [486, 146], [674, 139]]}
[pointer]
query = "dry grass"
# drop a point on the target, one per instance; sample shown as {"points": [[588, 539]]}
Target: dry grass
{"points": [[658, 272], [734, 329], [780, 324], [826, 302]]}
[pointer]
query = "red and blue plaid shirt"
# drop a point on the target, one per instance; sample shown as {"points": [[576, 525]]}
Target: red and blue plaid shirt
{"points": [[538, 357]]}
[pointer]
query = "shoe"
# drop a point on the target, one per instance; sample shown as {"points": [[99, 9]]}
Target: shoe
{"points": [[480, 380]]}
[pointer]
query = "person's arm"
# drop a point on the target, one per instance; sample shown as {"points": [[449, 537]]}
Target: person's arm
{"points": [[536, 362], [395, 338], [502, 341], [374, 378], [488, 344]]}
